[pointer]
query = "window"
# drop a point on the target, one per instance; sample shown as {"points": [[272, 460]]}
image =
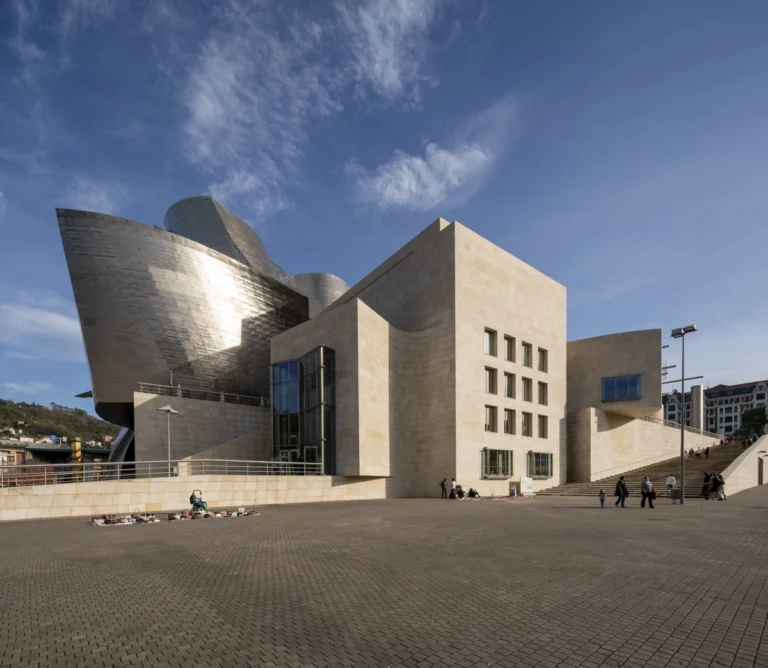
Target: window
{"points": [[539, 465], [622, 388], [509, 421], [543, 426], [509, 385], [490, 380], [728, 429], [509, 348], [728, 410], [527, 424], [543, 394], [490, 342], [490, 418], [497, 463], [671, 416], [721, 419], [543, 360], [527, 389], [527, 355], [729, 418], [760, 395]]}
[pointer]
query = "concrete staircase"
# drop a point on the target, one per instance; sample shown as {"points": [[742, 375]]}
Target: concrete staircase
{"points": [[719, 460]]}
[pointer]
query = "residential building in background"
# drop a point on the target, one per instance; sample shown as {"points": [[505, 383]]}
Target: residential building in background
{"points": [[723, 405]]}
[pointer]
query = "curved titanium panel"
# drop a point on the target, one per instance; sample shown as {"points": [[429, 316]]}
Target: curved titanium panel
{"points": [[204, 220], [321, 289], [151, 302]]}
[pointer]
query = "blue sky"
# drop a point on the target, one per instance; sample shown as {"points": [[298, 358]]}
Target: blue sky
{"points": [[621, 148]]}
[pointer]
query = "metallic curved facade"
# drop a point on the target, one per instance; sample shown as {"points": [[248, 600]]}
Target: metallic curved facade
{"points": [[321, 289], [152, 302]]}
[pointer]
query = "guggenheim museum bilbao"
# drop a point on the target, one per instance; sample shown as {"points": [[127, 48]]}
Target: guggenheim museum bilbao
{"points": [[448, 360]]}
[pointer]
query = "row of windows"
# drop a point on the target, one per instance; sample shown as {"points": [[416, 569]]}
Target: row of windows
{"points": [[510, 354], [500, 464], [510, 422], [509, 386]]}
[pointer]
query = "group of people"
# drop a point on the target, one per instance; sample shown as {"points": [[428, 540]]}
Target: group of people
{"points": [[622, 492], [457, 491], [698, 452], [713, 485]]}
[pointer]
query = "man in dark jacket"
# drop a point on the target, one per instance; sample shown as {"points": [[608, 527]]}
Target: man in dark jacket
{"points": [[705, 487], [622, 491]]}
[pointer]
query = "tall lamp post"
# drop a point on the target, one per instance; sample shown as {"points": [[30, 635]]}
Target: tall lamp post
{"points": [[168, 412], [680, 333]]}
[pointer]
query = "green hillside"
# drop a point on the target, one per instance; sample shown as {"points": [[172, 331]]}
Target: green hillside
{"points": [[54, 419]]}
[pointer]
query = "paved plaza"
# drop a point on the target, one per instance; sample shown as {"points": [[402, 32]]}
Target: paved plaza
{"points": [[541, 582]]}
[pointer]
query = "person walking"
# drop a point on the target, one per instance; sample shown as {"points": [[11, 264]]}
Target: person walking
{"points": [[698, 452], [705, 487], [671, 482], [622, 491], [444, 489], [706, 452], [647, 489], [601, 496], [712, 486], [721, 488]]}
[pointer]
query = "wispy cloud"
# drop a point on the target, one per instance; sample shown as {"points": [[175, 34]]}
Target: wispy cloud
{"points": [[3, 204], [388, 41], [39, 324], [458, 169], [17, 355], [93, 195], [27, 388]]}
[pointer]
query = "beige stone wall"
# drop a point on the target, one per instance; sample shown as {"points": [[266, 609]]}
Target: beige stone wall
{"points": [[627, 353], [498, 291], [744, 471], [602, 444], [202, 430], [169, 494]]}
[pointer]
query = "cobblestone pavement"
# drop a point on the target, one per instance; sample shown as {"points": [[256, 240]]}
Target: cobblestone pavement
{"points": [[543, 582]]}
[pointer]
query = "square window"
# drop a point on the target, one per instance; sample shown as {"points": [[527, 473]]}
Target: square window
{"points": [[509, 421], [490, 380], [543, 394], [509, 385], [528, 355], [527, 424], [509, 348], [490, 342], [527, 389], [543, 426], [497, 463], [543, 360], [540, 464], [490, 418]]}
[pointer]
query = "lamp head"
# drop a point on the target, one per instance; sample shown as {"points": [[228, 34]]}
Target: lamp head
{"points": [[169, 410]]}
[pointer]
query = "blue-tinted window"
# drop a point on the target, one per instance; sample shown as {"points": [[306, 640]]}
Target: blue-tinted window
{"points": [[622, 388]]}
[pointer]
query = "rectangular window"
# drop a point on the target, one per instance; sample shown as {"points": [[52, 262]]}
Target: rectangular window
{"points": [[543, 426], [490, 342], [509, 421], [509, 385], [527, 424], [540, 465], [622, 388], [729, 418], [527, 389], [509, 348], [527, 355], [543, 360], [729, 409], [760, 395], [728, 429], [490, 380], [543, 394], [497, 463], [490, 418]]}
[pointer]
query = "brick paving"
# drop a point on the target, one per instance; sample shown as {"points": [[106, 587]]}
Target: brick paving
{"points": [[415, 583]]}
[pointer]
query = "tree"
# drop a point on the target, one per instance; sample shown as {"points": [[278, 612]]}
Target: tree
{"points": [[753, 421]]}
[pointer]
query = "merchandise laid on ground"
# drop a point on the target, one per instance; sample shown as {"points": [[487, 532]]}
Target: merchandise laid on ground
{"points": [[150, 518]]}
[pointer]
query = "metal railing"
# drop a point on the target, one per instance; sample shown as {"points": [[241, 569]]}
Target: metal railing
{"points": [[22, 475], [204, 395], [676, 425]]}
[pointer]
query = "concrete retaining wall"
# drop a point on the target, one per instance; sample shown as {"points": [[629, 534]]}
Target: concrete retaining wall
{"points": [[743, 473], [168, 494]]}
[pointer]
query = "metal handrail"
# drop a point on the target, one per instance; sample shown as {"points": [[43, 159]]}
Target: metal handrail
{"points": [[204, 395], [676, 425], [17, 475]]}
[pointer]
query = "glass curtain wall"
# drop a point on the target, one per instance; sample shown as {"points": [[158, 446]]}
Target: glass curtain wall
{"points": [[303, 403]]}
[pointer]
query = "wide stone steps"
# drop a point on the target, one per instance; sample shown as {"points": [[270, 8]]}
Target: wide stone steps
{"points": [[718, 461]]}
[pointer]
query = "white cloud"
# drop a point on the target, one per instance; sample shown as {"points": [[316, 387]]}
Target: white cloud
{"points": [[39, 324], [458, 169], [3, 204], [93, 195], [388, 40], [27, 388]]}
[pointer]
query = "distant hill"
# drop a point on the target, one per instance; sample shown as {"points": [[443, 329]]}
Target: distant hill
{"points": [[54, 419]]}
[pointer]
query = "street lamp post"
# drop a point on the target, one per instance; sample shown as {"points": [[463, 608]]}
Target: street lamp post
{"points": [[168, 412], [680, 333]]}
